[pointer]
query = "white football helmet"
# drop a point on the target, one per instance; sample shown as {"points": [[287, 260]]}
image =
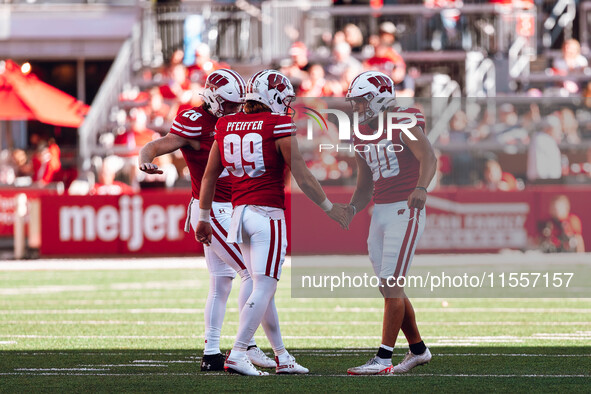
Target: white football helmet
{"points": [[225, 92], [271, 88], [373, 89]]}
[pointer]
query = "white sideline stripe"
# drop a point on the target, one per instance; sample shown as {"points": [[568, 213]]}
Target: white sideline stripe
{"points": [[32, 373], [154, 285], [322, 310], [8, 342], [319, 352], [290, 323], [344, 351], [105, 264], [443, 339], [61, 369]]}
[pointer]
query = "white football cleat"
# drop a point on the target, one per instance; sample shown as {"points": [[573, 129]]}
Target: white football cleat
{"points": [[242, 366], [412, 360], [372, 367], [259, 358], [291, 367]]}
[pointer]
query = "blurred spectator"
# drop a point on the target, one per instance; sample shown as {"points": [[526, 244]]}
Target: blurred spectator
{"points": [[159, 111], [342, 60], [178, 86], [299, 56], [384, 58], [22, 165], [494, 178], [508, 130], [46, 162], [353, 37], [313, 86], [7, 172], [387, 35], [106, 183], [130, 142], [403, 83], [563, 232], [297, 65], [461, 170], [587, 95], [570, 126], [543, 155], [571, 62], [204, 65], [450, 31]]}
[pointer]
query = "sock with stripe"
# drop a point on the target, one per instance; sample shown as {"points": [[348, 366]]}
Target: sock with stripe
{"points": [[384, 355], [215, 309]]}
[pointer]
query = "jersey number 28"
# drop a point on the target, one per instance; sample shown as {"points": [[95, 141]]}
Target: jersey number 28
{"points": [[245, 155]]}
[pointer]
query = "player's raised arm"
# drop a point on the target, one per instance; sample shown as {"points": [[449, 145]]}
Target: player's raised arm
{"points": [[308, 183], [212, 173], [422, 150], [167, 144]]}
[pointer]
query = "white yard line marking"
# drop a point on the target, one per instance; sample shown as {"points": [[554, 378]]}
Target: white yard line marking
{"points": [[8, 342], [60, 369], [52, 289], [441, 340], [285, 310], [290, 323], [411, 375]]}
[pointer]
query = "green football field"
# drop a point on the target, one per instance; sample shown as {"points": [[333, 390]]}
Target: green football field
{"points": [[141, 330]]}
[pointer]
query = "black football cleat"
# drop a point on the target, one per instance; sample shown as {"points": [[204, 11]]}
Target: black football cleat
{"points": [[212, 362]]}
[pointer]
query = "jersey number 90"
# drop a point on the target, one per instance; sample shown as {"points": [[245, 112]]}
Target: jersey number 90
{"points": [[244, 155]]}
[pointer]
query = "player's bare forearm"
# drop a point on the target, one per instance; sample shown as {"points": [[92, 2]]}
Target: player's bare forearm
{"points": [[212, 172], [159, 147], [364, 188], [422, 150]]}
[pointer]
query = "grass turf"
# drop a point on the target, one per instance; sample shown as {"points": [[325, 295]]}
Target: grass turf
{"points": [[141, 330]]}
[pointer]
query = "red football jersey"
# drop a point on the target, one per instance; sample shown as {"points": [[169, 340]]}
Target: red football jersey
{"points": [[199, 125], [395, 174], [248, 151]]}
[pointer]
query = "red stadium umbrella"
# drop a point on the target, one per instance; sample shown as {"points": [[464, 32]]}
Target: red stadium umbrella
{"points": [[25, 97]]}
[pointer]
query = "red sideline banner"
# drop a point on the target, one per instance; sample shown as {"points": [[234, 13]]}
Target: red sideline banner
{"points": [[148, 223], [459, 220], [151, 223], [8, 205]]}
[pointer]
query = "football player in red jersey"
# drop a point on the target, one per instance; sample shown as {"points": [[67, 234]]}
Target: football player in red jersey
{"points": [[255, 147], [398, 181], [193, 133]]}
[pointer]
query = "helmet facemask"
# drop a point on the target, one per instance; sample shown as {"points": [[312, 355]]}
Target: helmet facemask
{"points": [[361, 105]]}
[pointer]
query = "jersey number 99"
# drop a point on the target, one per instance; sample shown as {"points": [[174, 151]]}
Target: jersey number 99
{"points": [[244, 155]]}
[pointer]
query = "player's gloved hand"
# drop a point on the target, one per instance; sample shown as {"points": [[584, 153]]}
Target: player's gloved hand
{"points": [[339, 214], [150, 168], [417, 199], [203, 233]]}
